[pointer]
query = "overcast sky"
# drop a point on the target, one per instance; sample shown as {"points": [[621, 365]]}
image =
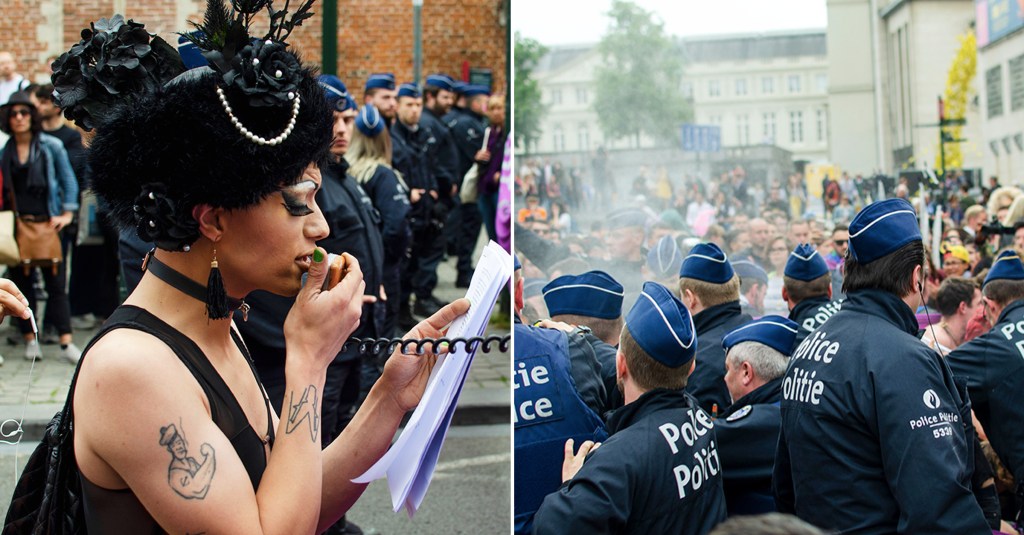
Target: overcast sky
{"points": [[556, 22]]}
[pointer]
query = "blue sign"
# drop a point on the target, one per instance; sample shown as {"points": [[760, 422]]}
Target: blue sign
{"points": [[702, 138], [997, 19]]}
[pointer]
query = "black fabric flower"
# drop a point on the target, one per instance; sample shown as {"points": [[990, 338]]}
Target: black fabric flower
{"points": [[162, 221], [266, 73], [114, 60]]}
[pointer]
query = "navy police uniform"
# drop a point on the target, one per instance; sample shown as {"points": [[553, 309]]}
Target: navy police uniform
{"points": [[993, 366], [467, 130], [876, 436], [659, 472], [810, 314], [548, 411], [707, 383], [748, 434]]}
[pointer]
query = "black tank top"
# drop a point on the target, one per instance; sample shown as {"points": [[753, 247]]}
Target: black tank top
{"points": [[120, 511]]}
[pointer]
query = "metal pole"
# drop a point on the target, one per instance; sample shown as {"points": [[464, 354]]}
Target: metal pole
{"points": [[417, 41], [329, 39]]}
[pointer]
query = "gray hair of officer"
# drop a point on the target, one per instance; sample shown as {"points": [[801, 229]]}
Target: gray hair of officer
{"points": [[769, 524], [767, 363]]}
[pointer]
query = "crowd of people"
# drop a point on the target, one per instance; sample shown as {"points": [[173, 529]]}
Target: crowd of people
{"points": [[734, 347], [395, 183]]}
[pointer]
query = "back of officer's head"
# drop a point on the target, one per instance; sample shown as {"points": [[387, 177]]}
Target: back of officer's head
{"points": [[767, 363], [806, 275], [885, 248], [593, 299], [658, 341], [707, 273], [769, 524], [1004, 283], [765, 344]]}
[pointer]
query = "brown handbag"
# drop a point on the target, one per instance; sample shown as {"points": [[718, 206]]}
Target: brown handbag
{"points": [[38, 241]]}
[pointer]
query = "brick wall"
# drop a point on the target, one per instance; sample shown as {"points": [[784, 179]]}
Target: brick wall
{"points": [[373, 35]]}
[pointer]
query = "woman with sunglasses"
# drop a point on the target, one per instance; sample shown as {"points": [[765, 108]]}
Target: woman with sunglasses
{"points": [[40, 185]]}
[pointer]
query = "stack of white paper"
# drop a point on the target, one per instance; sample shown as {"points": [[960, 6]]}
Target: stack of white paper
{"points": [[409, 464]]}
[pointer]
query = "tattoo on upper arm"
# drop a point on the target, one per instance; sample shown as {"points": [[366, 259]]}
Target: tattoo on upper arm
{"points": [[188, 477], [305, 409]]}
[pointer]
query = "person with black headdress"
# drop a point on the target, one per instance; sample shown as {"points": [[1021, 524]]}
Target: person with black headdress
{"points": [[218, 166], [40, 185]]}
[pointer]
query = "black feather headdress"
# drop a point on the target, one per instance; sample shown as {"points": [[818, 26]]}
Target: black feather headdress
{"points": [[168, 139]]}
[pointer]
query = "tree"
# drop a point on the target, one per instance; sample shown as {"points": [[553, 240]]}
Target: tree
{"points": [[528, 107], [638, 84], [958, 92]]}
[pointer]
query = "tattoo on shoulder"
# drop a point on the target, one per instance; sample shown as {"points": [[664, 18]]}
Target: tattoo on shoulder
{"points": [[188, 477], [305, 409]]}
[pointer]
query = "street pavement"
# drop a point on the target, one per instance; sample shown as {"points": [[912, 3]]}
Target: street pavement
{"points": [[31, 393]]}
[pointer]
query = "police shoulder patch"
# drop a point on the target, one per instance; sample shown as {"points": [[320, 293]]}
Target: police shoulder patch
{"points": [[742, 413]]}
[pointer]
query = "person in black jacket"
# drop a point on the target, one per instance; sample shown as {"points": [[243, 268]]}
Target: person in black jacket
{"points": [[755, 360], [993, 366], [876, 435], [659, 472], [467, 129], [807, 289], [354, 229], [711, 290]]}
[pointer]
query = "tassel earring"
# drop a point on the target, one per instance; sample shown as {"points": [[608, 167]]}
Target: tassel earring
{"points": [[216, 296]]}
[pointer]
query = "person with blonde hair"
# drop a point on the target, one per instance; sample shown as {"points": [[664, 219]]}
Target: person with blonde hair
{"points": [[369, 158]]}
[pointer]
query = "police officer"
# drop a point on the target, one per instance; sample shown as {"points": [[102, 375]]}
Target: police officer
{"points": [[807, 289], [625, 247], [659, 472], [756, 355], [467, 129], [591, 302], [711, 290], [380, 92], [753, 287], [664, 261], [993, 366], [355, 229], [873, 435], [409, 145], [548, 410]]}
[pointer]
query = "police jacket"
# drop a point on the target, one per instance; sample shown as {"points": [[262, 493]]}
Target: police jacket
{"points": [[659, 472], [707, 382], [605, 354], [748, 434], [409, 156], [993, 365], [467, 129], [355, 229], [548, 411], [812, 313], [442, 157], [875, 435], [586, 369], [391, 198]]}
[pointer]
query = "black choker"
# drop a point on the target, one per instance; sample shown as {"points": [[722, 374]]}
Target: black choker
{"points": [[186, 285]]}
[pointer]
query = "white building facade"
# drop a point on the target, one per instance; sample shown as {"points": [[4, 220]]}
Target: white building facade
{"points": [[1000, 28], [760, 89]]}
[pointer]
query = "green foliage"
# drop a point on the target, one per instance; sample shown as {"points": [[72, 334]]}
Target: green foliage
{"points": [[528, 107], [638, 83]]}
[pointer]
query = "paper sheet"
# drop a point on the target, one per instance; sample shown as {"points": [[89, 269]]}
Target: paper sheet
{"points": [[409, 463]]}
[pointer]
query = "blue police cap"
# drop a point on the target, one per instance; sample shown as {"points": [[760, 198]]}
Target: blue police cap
{"points": [[881, 228], [409, 90], [369, 121], [626, 217], [805, 264], [594, 294], [336, 93], [662, 326], [459, 87], [1006, 266], [776, 332], [518, 264], [190, 54], [441, 81], [381, 80], [473, 90], [665, 259], [706, 262], [750, 270]]}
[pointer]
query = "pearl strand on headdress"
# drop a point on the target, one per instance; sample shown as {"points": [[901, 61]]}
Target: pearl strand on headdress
{"points": [[253, 137]]}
